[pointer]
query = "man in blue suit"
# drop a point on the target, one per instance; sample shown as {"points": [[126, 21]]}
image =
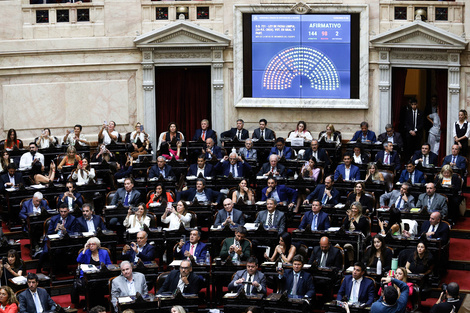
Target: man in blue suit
{"points": [[388, 156], [89, 222], [193, 248], [139, 250], [326, 193], [236, 132], [347, 170], [296, 282], [233, 164], [272, 218], [273, 167], [363, 291], [281, 150], [161, 168], [454, 159], [263, 131], [204, 132], [72, 198], [229, 216], [424, 156], [27, 298], [316, 218], [127, 195], [411, 173], [201, 193], [212, 151], [281, 193], [364, 135], [12, 178], [34, 205], [201, 167]]}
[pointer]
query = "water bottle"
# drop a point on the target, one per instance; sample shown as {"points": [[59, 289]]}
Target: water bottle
{"points": [[234, 150], [208, 258], [379, 267]]}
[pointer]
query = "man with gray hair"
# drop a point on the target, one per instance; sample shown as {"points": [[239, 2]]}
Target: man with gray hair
{"points": [[36, 205], [247, 151], [391, 136], [161, 168], [273, 167], [127, 284], [233, 164], [387, 156], [236, 132]]}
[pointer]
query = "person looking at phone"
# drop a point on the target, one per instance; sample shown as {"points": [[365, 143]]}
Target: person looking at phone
{"points": [[84, 173], [138, 133], [108, 134], [391, 301], [140, 249], [46, 140], [28, 158], [250, 279], [193, 249], [296, 282], [136, 218], [103, 154], [71, 197], [237, 248], [172, 136], [178, 216], [75, 137]]}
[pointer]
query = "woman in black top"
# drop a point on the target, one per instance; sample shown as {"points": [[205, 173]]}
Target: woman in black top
{"points": [[359, 195], [13, 267], [377, 250], [355, 221], [421, 261], [460, 132]]}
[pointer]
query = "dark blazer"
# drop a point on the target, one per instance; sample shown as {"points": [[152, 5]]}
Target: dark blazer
{"points": [[334, 258], [364, 158], [397, 139], [409, 121], [147, 254], [456, 183], [27, 208], [171, 283], [286, 152], [318, 195], [268, 134], [209, 134], [233, 133], [394, 158], [365, 201], [323, 222], [354, 172], [27, 303], [223, 168], [305, 285], [199, 254], [189, 195], [120, 196], [386, 260], [244, 244], [279, 220], [419, 177], [418, 155], [237, 217], [321, 154], [258, 276], [370, 136], [208, 170], [97, 221], [216, 150], [285, 194], [267, 167], [5, 178], [459, 162], [442, 231], [70, 225], [366, 291], [362, 225], [155, 171], [78, 202]]}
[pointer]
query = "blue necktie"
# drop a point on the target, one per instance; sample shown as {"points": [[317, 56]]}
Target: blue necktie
{"points": [[314, 222], [324, 199], [126, 199], [399, 203], [247, 154]]}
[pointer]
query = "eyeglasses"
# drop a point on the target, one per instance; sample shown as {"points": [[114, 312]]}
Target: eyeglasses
{"points": [[184, 267]]}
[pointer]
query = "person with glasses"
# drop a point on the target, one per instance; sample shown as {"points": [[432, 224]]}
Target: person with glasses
{"points": [[250, 279], [183, 279]]}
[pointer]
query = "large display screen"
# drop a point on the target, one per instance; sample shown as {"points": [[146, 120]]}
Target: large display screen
{"points": [[300, 56]]}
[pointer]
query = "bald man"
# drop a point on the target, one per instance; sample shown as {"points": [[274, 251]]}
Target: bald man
{"points": [[435, 228], [139, 249], [325, 255]]}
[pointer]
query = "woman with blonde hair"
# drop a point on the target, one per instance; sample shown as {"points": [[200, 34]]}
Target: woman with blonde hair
{"points": [[330, 135], [70, 159], [373, 173], [178, 309], [135, 222]]}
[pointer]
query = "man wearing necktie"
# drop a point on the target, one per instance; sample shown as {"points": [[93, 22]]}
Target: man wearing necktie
{"points": [[412, 175], [432, 201], [250, 274], [326, 193], [392, 136], [126, 195], [357, 288], [233, 164], [388, 157], [296, 282], [263, 131], [325, 255], [414, 122], [281, 193], [435, 228], [272, 218], [193, 249], [316, 218], [454, 159], [248, 152], [204, 132], [273, 167], [35, 299], [237, 132], [183, 279], [229, 216], [12, 178]]}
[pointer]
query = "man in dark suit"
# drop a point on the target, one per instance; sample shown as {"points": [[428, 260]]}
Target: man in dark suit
{"points": [[272, 218], [435, 228], [62, 223], [347, 170], [248, 152], [455, 159], [233, 164], [89, 222], [273, 167], [139, 250], [34, 299], [356, 288], [364, 135], [204, 132], [412, 174], [391, 136], [316, 218], [281, 150], [229, 216], [73, 199], [201, 193], [127, 195], [387, 156], [183, 279], [424, 156], [201, 167], [237, 132], [414, 123], [12, 178], [263, 132], [319, 153], [326, 255], [402, 199], [251, 280], [296, 282], [212, 151], [452, 298], [237, 248], [193, 248], [161, 168], [326, 193], [281, 193]]}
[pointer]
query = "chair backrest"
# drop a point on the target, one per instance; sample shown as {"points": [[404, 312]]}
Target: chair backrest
{"points": [[303, 251], [46, 226], [403, 256], [160, 280], [110, 196], [193, 222], [341, 250], [153, 219], [388, 179]]}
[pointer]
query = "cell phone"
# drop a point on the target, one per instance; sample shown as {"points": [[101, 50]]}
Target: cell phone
{"points": [[141, 128], [105, 123], [279, 266], [183, 237], [80, 163]]}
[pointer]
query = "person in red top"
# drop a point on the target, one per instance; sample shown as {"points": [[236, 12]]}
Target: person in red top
{"points": [[160, 195], [8, 300], [12, 141]]}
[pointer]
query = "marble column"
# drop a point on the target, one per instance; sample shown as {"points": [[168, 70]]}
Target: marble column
{"points": [[217, 73], [385, 97], [148, 84]]}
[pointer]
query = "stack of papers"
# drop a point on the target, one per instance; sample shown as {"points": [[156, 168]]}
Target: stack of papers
{"points": [[87, 268]]}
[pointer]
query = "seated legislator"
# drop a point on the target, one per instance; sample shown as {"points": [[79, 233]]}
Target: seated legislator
{"points": [[273, 168], [75, 138], [38, 176], [204, 132], [248, 152], [138, 134], [211, 150], [250, 279], [70, 159], [435, 228], [347, 170], [63, 222], [392, 300], [5, 161], [13, 266], [12, 142], [272, 218], [12, 178], [183, 279], [447, 179], [8, 301], [359, 195], [330, 135], [355, 221], [172, 136], [35, 299], [424, 156], [325, 255], [136, 218], [401, 199], [233, 164], [127, 195], [236, 132], [161, 168], [392, 136], [46, 140], [284, 251], [300, 132], [193, 249], [373, 173], [358, 156], [364, 135], [71, 197], [201, 167], [378, 250], [455, 159], [326, 193], [316, 218], [263, 131], [34, 205], [281, 193], [319, 153], [140, 249], [122, 171], [27, 159], [421, 261], [310, 170], [229, 216], [84, 173], [166, 151], [281, 150], [357, 288], [296, 282], [176, 217], [243, 192], [412, 175], [89, 222], [160, 196], [201, 193], [237, 248], [388, 157], [104, 155], [432, 201], [129, 283]]}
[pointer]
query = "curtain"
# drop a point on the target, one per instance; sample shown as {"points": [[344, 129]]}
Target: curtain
{"points": [[441, 90], [398, 101]]}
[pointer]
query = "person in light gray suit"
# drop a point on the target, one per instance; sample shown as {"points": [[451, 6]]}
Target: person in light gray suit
{"points": [[432, 201], [120, 284], [277, 220], [248, 152], [252, 275], [401, 199], [236, 216]]}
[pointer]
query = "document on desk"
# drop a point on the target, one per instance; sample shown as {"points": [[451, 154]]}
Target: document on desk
{"points": [[125, 299], [87, 268], [88, 234], [53, 236], [19, 280], [250, 226], [176, 263], [38, 186]]}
